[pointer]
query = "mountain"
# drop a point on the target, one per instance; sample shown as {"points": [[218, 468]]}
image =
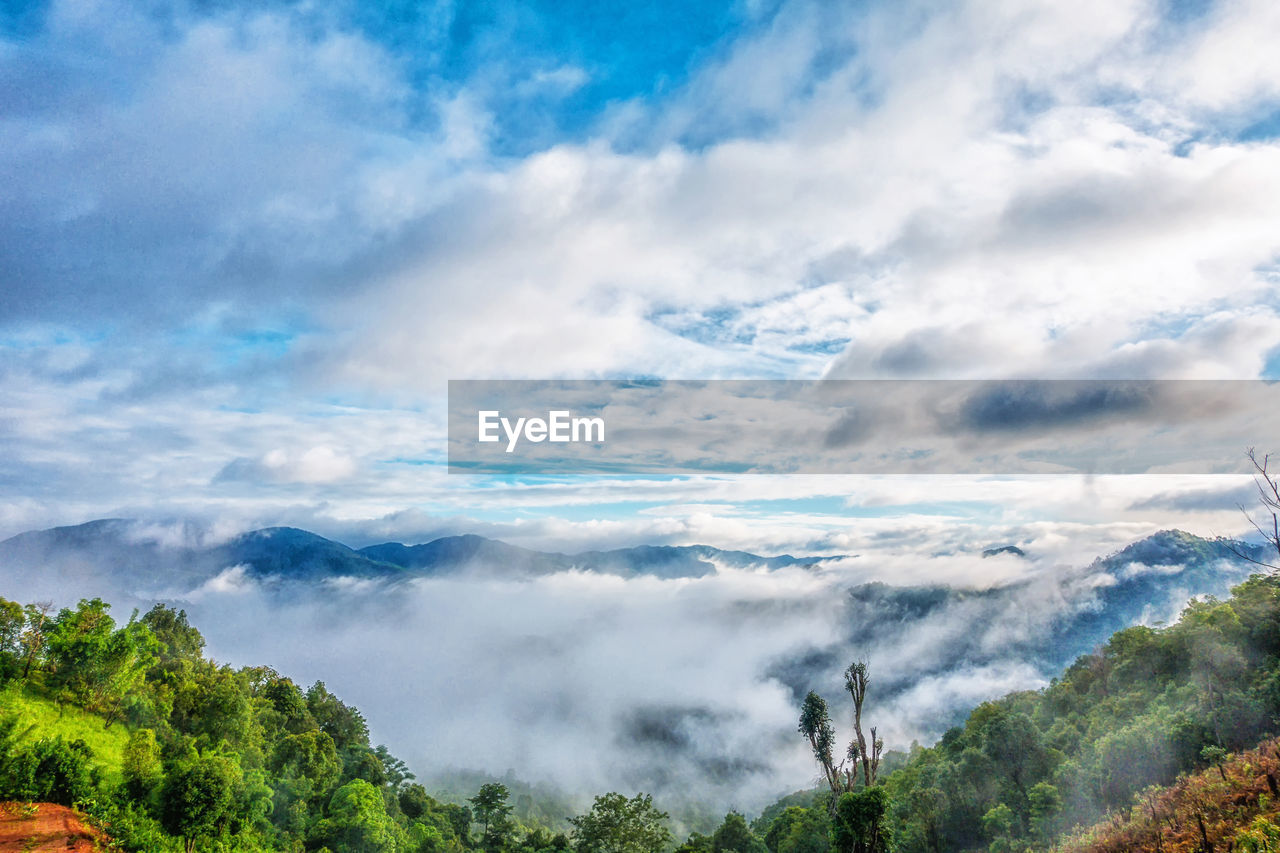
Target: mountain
{"points": [[452, 553], [156, 559], [287, 553], [1042, 621], [667, 561]]}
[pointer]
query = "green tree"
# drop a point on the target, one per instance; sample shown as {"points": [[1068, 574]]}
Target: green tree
{"points": [[178, 639], [616, 824], [358, 821], [1215, 756], [140, 765], [1046, 804], [96, 665], [1017, 750], [415, 801], [34, 638], [309, 757], [998, 823], [213, 705], [695, 843], [815, 725], [52, 769], [781, 825], [12, 620], [734, 836], [197, 798], [856, 679], [808, 832], [859, 825], [459, 819], [340, 721], [490, 809]]}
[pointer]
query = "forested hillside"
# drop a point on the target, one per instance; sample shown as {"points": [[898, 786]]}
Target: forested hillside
{"points": [[1233, 805], [1037, 769], [168, 750], [1149, 705]]}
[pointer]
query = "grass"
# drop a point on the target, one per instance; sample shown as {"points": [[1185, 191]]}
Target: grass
{"points": [[48, 720]]}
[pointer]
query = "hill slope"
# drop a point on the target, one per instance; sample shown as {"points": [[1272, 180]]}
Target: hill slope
{"points": [[1234, 806]]}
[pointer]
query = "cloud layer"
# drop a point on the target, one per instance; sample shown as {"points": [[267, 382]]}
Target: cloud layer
{"points": [[685, 687], [228, 228], [243, 246]]}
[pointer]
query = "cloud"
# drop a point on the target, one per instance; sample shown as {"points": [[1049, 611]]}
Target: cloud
{"points": [[244, 247], [229, 582], [1012, 407], [600, 682], [256, 218], [316, 465], [1193, 500]]}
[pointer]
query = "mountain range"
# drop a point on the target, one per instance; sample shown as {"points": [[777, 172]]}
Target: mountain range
{"points": [[1043, 620], [938, 647], [155, 558]]}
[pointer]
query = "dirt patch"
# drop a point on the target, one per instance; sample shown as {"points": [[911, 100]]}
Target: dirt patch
{"points": [[43, 827]]}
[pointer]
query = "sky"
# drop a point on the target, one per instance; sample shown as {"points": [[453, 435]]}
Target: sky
{"points": [[243, 246]]}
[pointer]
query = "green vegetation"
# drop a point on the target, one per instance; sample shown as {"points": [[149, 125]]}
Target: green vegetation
{"points": [[1232, 806], [1021, 773], [618, 825], [48, 719], [168, 751], [1148, 706]]}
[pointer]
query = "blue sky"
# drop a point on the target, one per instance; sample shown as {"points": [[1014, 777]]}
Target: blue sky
{"points": [[243, 246]]}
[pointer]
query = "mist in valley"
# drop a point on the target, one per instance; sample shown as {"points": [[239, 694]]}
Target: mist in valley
{"points": [[688, 688]]}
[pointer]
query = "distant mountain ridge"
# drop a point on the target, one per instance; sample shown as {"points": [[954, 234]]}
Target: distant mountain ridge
{"points": [[292, 554], [979, 639]]}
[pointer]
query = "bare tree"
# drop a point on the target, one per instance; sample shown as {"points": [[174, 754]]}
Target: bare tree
{"points": [[33, 639], [815, 725], [855, 681], [1269, 493]]}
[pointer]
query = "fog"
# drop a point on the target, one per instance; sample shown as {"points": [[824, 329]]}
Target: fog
{"points": [[591, 682], [687, 688]]}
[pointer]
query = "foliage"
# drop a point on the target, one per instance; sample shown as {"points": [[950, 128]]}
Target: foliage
{"points": [[1150, 704], [734, 836], [170, 751], [489, 808], [616, 824], [358, 821], [95, 665], [197, 798], [51, 770], [1233, 806], [140, 766], [859, 823]]}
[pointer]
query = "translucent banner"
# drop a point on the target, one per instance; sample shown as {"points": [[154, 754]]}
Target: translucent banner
{"points": [[859, 426]]}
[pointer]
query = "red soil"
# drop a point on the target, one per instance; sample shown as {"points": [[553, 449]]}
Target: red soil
{"points": [[50, 827]]}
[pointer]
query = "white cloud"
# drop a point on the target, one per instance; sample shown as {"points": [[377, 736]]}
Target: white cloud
{"points": [[316, 465]]}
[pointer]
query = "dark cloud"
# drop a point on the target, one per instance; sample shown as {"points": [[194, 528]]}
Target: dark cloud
{"points": [[1043, 406], [1198, 500]]}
